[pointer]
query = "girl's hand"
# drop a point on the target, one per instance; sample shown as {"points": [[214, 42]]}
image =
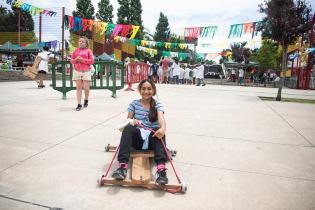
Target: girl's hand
{"points": [[78, 59], [136, 122], [159, 133]]}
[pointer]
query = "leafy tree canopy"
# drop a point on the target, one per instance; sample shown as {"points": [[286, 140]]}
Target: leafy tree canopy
{"points": [[105, 11]]}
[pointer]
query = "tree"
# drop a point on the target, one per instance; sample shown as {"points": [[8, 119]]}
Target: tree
{"points": [[105, 11], [84, 9], [136, 17], [240, 53], [161, 29], [123, 15], [267, 56], [9, 22], [285, 21]]}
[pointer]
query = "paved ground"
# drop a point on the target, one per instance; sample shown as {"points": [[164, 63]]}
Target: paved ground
{"points": [[234, 150]]}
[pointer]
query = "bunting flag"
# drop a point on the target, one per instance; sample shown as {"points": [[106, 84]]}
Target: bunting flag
{"points": [[256, 26], [135, 30], [150, 51], [208, 32], [153, 52], [77, 24], [125, 30], [110, 28], [117, 30], [236, 30], [49, 44], [192, 32], [144, 43], [83, 24], [29, 8], [248, 28]]}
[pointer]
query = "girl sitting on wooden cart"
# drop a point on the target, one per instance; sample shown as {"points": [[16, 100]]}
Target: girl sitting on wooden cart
{"points": [[148, 113]]}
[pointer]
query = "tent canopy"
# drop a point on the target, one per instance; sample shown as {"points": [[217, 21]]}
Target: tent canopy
{"points": [[8, 47], [104, 57]]}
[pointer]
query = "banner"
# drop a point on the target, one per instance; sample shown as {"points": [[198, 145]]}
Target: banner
{"points": [[29, 8], [153, 52], [146, 43], [83, 24]]}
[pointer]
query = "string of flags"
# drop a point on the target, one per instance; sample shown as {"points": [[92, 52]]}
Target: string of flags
{"points": [[146, 43], [101, 28], [236, 30], [153, 52], [30, 8]]}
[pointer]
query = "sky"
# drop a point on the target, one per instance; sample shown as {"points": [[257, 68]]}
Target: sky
{"points": [[180, 13]]}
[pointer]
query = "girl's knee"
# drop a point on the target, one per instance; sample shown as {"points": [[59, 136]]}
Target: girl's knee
{"points": [[129, 128]]}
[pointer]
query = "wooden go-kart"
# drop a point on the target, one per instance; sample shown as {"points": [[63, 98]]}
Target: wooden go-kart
{"points": [[141, 172], [32, 71]]}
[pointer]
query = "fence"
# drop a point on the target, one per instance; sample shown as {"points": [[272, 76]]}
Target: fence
{"points": [[135, 72], [108, 75]]}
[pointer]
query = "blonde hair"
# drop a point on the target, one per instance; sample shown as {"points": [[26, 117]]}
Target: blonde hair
{"points": [[86, 41]]}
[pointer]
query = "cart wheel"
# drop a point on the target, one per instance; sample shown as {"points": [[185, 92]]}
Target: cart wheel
{"points": [[184, 187], [99, 179], [107, 148], [174, 152]]}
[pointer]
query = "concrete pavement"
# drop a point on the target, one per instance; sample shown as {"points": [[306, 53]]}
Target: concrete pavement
{"points": [[234, 150]]}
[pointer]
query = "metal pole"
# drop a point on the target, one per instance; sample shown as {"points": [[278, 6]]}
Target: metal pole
{"points": [[63, 34], [19, 27], [40, 27]]}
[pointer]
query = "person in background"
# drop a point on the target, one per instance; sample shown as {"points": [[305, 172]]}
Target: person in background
{"points": [[188, 75], [181, 74], [160, 73], [166, 69], [43, 66], [200, 74], [154, 70], [82, 59], [176, 72], [240, 76]]}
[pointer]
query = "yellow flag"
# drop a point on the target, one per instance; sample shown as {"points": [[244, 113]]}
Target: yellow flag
{"points": [[134, 31]]}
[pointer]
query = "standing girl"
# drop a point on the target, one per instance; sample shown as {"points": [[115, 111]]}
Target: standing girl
{"points": [[150, 114], [82, 59]]}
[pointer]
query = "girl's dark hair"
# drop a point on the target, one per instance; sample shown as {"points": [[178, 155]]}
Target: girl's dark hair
{"points": [[153, 111]]}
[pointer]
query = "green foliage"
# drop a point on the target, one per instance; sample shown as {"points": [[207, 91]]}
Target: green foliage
{"points": [[9, 20], [161, 29], [123, 15], [136, 18], [130, 12], [240, 53], [84, 9], [105, 11], [285, 20], [267, 56], [9, 23]]}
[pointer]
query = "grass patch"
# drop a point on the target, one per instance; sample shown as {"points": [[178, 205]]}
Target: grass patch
{"points": [[295, 100]]}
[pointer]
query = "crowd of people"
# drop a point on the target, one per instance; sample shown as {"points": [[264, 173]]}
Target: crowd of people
{"points": [[171, 71]]}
